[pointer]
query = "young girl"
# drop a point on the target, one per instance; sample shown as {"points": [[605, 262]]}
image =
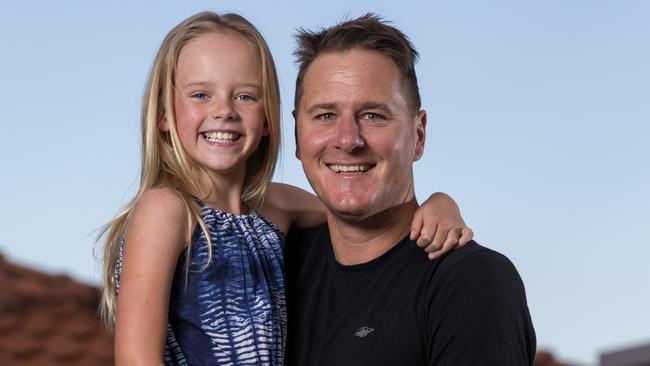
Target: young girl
{"points": [[197, 254]]}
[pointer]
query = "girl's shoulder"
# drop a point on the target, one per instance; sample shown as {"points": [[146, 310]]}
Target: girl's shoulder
{"points": [[158, 207], [158, 219], [162, 198]]}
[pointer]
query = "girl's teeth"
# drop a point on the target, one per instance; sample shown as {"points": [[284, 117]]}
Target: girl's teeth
{"points": [[221, 136]]}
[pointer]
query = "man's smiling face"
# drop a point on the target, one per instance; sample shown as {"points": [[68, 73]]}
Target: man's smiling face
{"points": [[357, 136]]}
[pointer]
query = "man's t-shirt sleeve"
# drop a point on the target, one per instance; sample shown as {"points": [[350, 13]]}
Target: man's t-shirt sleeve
{"points": [[477, 312]]}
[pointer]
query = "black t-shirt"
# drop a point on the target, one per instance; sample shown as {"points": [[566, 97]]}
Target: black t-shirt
{"points": [[467, 307]]}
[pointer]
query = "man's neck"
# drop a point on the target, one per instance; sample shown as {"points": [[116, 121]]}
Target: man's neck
{"points": [[356, 242]]}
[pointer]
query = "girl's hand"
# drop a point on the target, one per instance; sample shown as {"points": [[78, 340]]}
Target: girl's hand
{"points": [[438, 227]]}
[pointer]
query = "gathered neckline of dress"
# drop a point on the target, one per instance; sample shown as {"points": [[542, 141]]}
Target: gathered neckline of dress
{"points": [[229, 215]]}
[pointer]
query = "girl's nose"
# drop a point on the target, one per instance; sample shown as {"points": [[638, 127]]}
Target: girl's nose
{"points": [[223, 109]]}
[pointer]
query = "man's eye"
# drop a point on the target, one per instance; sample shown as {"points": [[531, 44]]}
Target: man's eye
{"points": [[372, 117], [326, 116]]}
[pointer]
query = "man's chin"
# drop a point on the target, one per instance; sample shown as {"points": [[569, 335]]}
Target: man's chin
{"points": [[349, 213]]}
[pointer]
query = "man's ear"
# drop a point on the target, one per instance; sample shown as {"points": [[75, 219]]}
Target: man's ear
{"points": [[295, 133], [421, 126], [163, 125]]}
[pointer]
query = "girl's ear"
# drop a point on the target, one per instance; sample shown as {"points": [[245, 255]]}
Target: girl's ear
{"points": [[163, 125]]}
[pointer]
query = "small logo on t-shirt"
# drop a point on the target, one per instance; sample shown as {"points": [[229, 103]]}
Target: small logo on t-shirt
{"points": [[363, 331]]}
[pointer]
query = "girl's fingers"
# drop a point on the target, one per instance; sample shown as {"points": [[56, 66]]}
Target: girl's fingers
{"points": [[439, 238], [426, 236], [450, 243], [466, 236], [416, 226]]}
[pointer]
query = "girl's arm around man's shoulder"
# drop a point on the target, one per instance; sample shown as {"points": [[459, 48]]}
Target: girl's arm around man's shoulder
{"points": [[291, 207], [154, 239], [437, 225]]}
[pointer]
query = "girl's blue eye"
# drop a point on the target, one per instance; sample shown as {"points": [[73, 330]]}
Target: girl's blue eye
{"points": [[199, 95], [245, 98]]}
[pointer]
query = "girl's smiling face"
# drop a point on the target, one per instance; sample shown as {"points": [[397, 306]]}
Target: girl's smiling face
{"points": [[219, 110]]}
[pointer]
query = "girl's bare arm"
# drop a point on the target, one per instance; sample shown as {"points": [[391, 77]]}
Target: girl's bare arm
{"points": [[155, 237]]}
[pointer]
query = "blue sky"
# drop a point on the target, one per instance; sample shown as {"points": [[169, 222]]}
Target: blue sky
{"points": [[538, 125]]}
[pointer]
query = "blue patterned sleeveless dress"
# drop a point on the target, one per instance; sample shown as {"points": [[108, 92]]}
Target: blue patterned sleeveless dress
{"points": [[232, 310]]}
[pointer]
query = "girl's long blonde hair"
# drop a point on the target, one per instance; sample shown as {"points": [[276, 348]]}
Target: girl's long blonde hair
{"points": [[164, 161]]}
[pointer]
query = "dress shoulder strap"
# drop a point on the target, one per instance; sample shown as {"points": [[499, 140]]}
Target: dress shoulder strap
{"points": [[201, 204]]}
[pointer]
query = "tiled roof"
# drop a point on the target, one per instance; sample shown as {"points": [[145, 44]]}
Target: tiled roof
{"points": [[49, 320], [544, 358]]}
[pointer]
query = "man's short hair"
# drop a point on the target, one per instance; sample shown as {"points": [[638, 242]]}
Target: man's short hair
{"points": [[368, 32]]}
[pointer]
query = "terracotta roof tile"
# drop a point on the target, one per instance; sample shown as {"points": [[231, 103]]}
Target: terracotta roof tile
{"points": [[544, 358], [49, 320]]}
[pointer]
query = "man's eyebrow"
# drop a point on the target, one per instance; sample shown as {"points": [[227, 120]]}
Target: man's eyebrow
{"points": [[368, 105], [375, 105], [326, 106]]}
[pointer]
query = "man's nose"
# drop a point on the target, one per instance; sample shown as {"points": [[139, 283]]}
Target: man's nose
{"points": [[348, 136]]}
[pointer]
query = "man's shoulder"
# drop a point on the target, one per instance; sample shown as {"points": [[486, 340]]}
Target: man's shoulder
{"points": [[476, 265], [474, 253], [480, 292]]}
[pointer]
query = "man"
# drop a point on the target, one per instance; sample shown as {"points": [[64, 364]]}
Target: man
{"points": [[359, 291]]}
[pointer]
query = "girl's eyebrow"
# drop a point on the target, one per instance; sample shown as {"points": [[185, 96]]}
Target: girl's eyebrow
{"points": [[250, 85], [193, 84], [239, 85]]}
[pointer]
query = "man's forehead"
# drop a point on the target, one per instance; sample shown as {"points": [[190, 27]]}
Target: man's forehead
{"points": [[360, 77], [338, 57]]}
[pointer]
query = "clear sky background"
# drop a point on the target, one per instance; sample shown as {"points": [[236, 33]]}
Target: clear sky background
{"points": [[538, 125]]}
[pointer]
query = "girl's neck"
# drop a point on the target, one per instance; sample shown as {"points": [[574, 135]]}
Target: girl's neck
{"points": [[223, 192]]}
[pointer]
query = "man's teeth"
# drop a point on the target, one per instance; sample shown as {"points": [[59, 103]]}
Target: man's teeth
{"points": [[221, 136], [349, 168]]}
